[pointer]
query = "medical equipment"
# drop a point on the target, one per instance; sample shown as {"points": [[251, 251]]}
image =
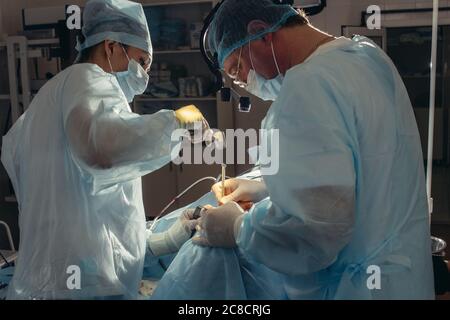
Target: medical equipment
{"points": [[432, 104], [221, 178], [7, 257], [197, 212], [211, 59], [179, 196], [440, 266], [4, 259], [224, 168], [242, 278], [197, 215], [219, 136]]}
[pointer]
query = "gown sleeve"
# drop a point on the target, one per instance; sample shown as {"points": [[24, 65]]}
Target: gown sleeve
{"points": [[109, 142], [308, 218]]}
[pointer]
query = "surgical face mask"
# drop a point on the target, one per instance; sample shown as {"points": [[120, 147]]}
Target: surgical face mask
{"points": [[134, 81], [261, 87]]}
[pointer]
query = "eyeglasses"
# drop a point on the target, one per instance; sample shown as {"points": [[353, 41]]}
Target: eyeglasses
{"points": [[145, 63]]}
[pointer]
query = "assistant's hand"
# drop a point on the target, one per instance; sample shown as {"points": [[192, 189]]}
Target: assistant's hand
{"points": [[189, 115], [173, 239]]}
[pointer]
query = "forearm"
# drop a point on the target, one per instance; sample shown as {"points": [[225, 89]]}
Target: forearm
{"points": [[290, 244], [172, 240], [113, 147]]}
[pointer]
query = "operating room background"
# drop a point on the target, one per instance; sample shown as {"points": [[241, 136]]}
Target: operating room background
{"points": [[337, 14]]}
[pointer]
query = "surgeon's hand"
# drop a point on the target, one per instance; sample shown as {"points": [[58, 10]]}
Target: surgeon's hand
{"points": [[173, 239], [244, 192], [188, 220], [219, 227], [188, 115]]}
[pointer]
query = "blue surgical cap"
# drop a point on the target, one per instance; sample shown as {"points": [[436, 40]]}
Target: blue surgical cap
{"points": [[237, 22], [118, 20]]}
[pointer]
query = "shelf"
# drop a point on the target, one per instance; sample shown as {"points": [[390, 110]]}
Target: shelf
{"points": [[147, 98], [36, 42], [176, 51], [11, 198]]}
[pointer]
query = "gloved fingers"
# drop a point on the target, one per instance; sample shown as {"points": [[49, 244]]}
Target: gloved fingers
{"points": [[233, 206], [230, 187], [216, 225], [216, 189], [207, 208], [207, 211], [188, 115], [195, 126], [201, 223], [189, 220], [189, 214], [210, 210], [235, 196], [192, 224], [200, 237]]}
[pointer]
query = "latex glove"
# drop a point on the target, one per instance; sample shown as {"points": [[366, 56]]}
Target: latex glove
{"points": [[192, 119], [173, 239], [189, 115], [244, 192], [219, 227]]}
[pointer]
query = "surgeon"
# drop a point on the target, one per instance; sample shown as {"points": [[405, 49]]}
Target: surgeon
{"points": [[75, 159], [346, 215]]}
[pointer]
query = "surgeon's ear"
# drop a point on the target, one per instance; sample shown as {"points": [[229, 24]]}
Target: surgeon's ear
{"points": [[109, 47]]}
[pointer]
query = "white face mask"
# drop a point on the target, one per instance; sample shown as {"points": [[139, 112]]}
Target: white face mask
{"points": [[134, 81], [261, 87]]}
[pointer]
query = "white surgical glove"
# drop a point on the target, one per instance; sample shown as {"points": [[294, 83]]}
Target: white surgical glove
{"points": [[219, 227], [173, 239], [244, 192]]}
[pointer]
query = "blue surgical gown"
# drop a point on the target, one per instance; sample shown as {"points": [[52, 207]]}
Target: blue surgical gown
{"points": [[349, 196]]}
